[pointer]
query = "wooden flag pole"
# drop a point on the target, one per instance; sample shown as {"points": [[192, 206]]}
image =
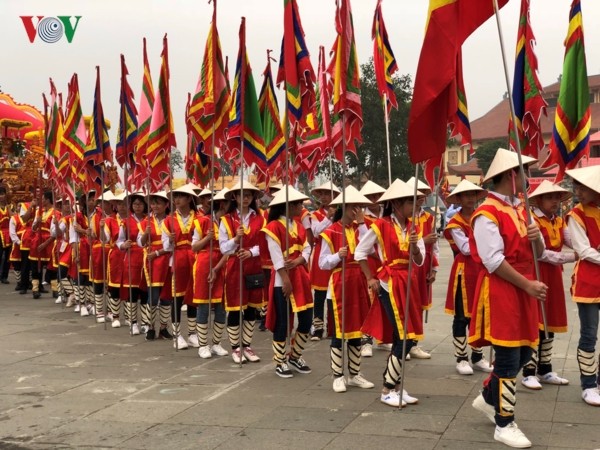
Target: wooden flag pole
{"points": [[343, 187], [520, 157], [176, 325], [212, 224], [387, 138], [438, 183]]}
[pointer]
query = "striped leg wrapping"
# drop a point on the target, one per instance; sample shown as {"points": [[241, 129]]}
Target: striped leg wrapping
{"points": [[17, 276], [588, 364], [546, 351], [67, 286], [217, 332], [89, 295], [460, 346], [164, 312], [279, 352], [353, 360], [336, 361], [234, 336], [317, 323], [115, 306], [533, 362], [54, 286], [99, 305], [175, 327], [152, 312], [132, 309], [247, 332], [202, 332], [477, 350], [299, 344], [508, 399], [191, 325], [393, 372], [145, 310]]}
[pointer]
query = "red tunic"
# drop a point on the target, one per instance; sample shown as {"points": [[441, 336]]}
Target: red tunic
{"points": [[65, 251], [425, 223], [394, 271], [41, 234], [463, 266], [15, 253], [116, 257], [319, 278], [133, 264], [157, 270], [356, 302], [252, 266], [183, 256], [203, 293], [586, 277], [5, 214], [83, 247], [99, 257], [551, 275], [502, 313], [373, 260]]}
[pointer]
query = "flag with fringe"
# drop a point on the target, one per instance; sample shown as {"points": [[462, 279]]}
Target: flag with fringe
{"points": [[384, 61], [245, 127], [98, 148], [126, 146], [140, 169], [459, 124], [434, 102], [572, 121], [161, 138], [527, 91], [74, 138], [53, 134]]}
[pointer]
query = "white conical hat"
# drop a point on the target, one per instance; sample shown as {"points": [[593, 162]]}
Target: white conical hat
{"points": [[187, 189], [161, 194], [120, 197], [399, 189], [276, 187], [421, 185], [293, 195], [547, 187], [353, 197], [140, 194], [588, 176], [191, 186], [329, 186], [221, 195], [505, 160], [238, 187], [466, 186], [204, 192], [371, 188], [107, 196]]}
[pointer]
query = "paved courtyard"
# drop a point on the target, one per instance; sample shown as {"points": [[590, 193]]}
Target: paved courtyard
{"points": [[70, 383]]}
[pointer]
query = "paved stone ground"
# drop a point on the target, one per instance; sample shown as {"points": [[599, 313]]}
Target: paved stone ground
{"points": [[69, 383]]}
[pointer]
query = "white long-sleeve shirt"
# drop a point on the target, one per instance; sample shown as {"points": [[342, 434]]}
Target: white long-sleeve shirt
{"points": [[461, 240], [12, 231], [553, 257], [581, 243], [229, 246], [277, 256]]}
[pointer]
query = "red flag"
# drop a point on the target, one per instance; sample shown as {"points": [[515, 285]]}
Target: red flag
{"points": [[98, 149], [434, 100], [125, 152], [459, 123], [75, 135], [141, 172], [383, 60]]}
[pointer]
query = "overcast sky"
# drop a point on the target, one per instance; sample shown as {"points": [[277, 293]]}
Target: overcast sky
{"points": [[111, 27]]}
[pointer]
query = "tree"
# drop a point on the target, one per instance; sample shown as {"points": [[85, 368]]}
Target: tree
{"points": [[176, 160], [372, 154], [485, 153]]}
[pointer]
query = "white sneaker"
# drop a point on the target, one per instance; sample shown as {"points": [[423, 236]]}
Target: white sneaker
{"points": [[392, 399], [531, 382], [58, 300], [144, 329], [70, 301], [407, 357], [553, 378], [359, 381], [250, 355], [180, 343], [217, 349], [408, 399], [100, 319], [483, 365], [464, 368], [385, 347], [237, 356], [488, 410], [91, 309], [204, 352], [109, 316], [339, 384], [135, 330], [366, 350], [591, 396], [77, 308], [511, 436], [183, 308], [419, 353], [193, 340], [83, 311], [116, 323]]}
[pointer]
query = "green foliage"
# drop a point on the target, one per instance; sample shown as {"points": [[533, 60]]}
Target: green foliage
{"points": [[176, 160], [485, 153]]}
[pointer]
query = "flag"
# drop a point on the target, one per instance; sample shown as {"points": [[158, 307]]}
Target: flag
{"points": [[162, 134], [459, 124], [433, 170], [434, 102], [345, 78], [208, 112], [572, 122], [245, 127], [271, 122], [140, 170], [74, 138], [98, 147], [383, 60], [125, 152], [295, 69], [53, 135], [527, 91]]}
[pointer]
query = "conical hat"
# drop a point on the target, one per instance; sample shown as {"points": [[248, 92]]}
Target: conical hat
{"points": [[191, 186], [160, 194], [187, 189], [466, 186], [140, 194], [120, 197], [353, 197], [238, 187], [275, 187], [329, 186], [421, 185], [505, 160], [107, 196], [204, 192], [399, 189], [221, 195], [546, 187], [293, 196], [588, 176], [370, 188]]}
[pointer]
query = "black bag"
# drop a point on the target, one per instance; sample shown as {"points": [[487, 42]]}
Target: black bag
{"points": [[255, 281]]}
